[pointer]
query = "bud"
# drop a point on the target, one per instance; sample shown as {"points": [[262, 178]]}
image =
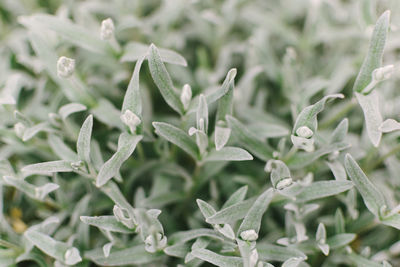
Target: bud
{"points": [[19, 129], [72, 256], [152, 245], [186, 96], [65, 67], [131, 120], [384, 73], [107, 29], [249, 235], [304, 131]]}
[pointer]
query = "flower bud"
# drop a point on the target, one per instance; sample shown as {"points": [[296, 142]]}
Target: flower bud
{"points": [[186, 96], [19, 129], [249, 235], [384, 73], [131, 120], [65, 67], [304, 131], [107, 29]]}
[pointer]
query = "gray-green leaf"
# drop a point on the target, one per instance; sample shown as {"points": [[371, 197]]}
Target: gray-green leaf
{"points": [[373, 59], [228, 154], [126, 145], [163, 80], [323, 189], [372, 197], [133, 99], [83, 143]]}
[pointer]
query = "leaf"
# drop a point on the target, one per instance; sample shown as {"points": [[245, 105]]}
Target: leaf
{"points": [[236, 197], [74, 33], [373, 118], [47, 168], [222, 135], [372, 197], [373, 60], [323, 189], [361, 261], [392, 220], [225, 103], [134, 51], [389, 125], [252, 221], [61, 149], [133, 98], [269, 252], [225, 87], [228, 154], [163, 80], [32, 191], [70, 108], [337, 169], [108, 223], [202, 114], [302, 159], [308, 116], [248, 140], [136, 255], [83, 143], [340, 240], [177, 137], [216, 259], [126, 145], [340, 133], [184, 236], [32, 131], [178, 250], [56, 249], [206, 209], [231, 213]]}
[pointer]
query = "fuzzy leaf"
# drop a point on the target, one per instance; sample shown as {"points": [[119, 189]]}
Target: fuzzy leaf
{"points": [[177, 137], [248, 140], [252, 221], [133, 99], [70, 108], [32, 131], [238, 196], [392, 220], [134, 51], [373, 118], [83, 143], [108, 223], [56, 249], [231, 213], [126, 145], [389, 125], [372, 197], [32, 191], [225, 87], [340, 240], [216, 259], [48, 168], [163, 80], [184, 236], [228, 154], [269, 252], [323, 189], [373, 60]]}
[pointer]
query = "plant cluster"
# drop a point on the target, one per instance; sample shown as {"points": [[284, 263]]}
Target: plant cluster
{"points": [[199, 133]]}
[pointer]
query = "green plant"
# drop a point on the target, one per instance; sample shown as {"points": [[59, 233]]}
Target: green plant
{"points": [[261, 143]]}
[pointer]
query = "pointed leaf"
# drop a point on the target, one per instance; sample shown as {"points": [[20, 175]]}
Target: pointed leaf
{"points": [[216, 259], [372, 197], [70, 108], [47, 168], [373, 60], [373, 118], [133, 99], [163, 80], [236, 197], [126, 145], [231, 213], [83, 143], [228, 154], [108, 223], [177, 137], [323, 189]]}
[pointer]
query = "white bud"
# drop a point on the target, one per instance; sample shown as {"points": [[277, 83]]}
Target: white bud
{"points": [[304, 131], [186, 96], [131, 120], [282, 184], [19, 129], [384, 73], [152, 245], [72, 256], [107, 29], [303, 143], [65, 67], [249, 235]]}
